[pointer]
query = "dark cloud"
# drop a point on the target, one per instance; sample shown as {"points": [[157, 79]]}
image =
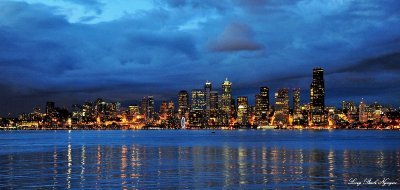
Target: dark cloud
{"points": [[384, 63], [235, 37]]}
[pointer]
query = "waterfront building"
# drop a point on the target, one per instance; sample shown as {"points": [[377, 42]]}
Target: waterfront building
{"points": [[207, 94], [150, 108], [317, 96], [198, 100], [349, 107], [281, 106], [147, 107], [226, 107], [183, 102], [226, 97], [143, 106], [133, 109], [213, 115], [262, 103], [362, 113], [242, 110], [296, 102]]}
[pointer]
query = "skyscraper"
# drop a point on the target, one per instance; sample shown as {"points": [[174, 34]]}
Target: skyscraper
{"points": [[207, 90], [349, 107], [183, 102], [317, 94], [147, 107], [363, 116], [282, 106], [226, 96], [296, 102], [213, 115], [262, 103], [198, 99], [242, 110], [150, 108], [213, 100], [171, 108], [143, 106], [196, 114]]}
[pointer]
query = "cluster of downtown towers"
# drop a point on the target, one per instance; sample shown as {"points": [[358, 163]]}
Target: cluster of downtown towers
{"points": [[201, 108], [209, 108]]}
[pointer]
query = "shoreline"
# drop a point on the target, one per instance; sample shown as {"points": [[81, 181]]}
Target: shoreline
{"points": [[193, 129]]}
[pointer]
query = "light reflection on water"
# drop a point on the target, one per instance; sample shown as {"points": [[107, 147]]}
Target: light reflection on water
{"points": [[178, 164]]}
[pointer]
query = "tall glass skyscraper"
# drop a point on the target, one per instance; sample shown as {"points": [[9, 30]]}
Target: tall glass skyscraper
{"points": [[242, 110], [282, 106], [207, 90], [198, 99], [183, 102], [226, 96], [317, 95], [262, 103], [296, 102]]}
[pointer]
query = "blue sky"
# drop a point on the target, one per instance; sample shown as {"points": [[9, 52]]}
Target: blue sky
{"points": [[70, 51]]}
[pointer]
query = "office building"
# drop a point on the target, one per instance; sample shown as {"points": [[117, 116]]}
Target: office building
{"points": [[317, 96], [281, 106]]}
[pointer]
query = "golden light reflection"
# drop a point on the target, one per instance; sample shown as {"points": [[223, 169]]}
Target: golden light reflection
{"points": [[69, 166], [346, 165], [331, 162], [98, 163], [264, 163], [227, 165], [124, 165], [55, 165], [135, 162], [83, 161], [275, 165], [242, 161]]}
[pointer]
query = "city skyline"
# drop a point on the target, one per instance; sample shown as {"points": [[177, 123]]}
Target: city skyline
{"points": [[72, 51], [205, 108], [304, 99]]}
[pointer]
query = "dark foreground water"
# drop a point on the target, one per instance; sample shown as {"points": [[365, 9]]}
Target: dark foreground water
{"points": [[199, 159]]}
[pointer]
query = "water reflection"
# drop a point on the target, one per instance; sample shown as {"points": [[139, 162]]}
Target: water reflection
{"points": [[69, 168], [83, 158], [140, 166]]}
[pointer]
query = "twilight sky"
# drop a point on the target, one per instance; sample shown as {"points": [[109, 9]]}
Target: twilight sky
{"points": [[69, 51]]}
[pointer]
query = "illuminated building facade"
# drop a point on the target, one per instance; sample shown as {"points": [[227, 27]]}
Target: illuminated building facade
{"points": [[296, 102], [349, 107], [281, 106], [133, 110], [213, 117], [207, 93], [262, 103], [198, 100], [226, 96], [363, 116], [317, 96], [147, 107], [183, 102], [242, 110]]}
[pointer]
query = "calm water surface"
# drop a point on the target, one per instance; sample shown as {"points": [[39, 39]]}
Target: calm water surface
{"points": [[198, 159]]}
